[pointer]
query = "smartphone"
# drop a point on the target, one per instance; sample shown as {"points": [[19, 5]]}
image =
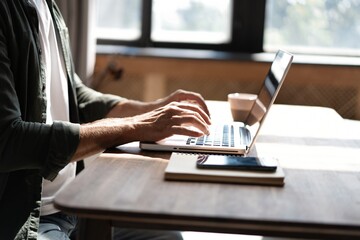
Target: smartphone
{"points": [[236, 163]]}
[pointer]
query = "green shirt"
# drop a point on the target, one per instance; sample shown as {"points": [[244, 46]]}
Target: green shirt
{"points": [[30, 149]]}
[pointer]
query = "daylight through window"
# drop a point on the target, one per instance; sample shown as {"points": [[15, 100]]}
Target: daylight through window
{"points": [[316, 26], [300, 26]]}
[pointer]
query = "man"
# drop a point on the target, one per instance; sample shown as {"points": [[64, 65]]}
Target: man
{"points": [[49, 120]]}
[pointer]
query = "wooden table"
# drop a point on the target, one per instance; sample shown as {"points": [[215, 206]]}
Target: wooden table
{"points": [[320, 154]]}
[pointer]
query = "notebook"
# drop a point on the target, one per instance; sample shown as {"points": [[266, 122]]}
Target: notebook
{"points": [[182, 167], [234, 137]]}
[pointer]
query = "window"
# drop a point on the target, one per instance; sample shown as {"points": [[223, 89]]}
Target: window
{"points": [[316, 26], [301, 26], [191, 21], [119, 19]]}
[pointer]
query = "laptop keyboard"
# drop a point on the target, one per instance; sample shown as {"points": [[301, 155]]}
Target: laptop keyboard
{"points": [[220, 135]]}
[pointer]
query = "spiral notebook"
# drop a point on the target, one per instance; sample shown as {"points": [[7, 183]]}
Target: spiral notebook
{"points": [[182, 167]]}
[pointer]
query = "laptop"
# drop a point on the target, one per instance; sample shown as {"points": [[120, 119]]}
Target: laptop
{"points": [[234, 137]]}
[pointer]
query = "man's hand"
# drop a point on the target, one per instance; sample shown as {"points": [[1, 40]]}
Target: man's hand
{"points": [[185, 96], [129, 108], [181, 118]]}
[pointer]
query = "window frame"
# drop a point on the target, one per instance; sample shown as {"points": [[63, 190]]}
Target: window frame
{"points": [[247, 31]]}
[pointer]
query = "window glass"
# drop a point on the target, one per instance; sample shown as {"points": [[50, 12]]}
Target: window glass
{"points": [[313, 26], [191, 21], [119, 19]]}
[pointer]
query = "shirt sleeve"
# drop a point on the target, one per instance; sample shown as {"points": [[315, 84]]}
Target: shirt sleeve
{"points": [[93, 105]]}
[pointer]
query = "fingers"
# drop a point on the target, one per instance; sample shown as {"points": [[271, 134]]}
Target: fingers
{"points": [[175, 118], [189, 116], [184, 119], [182, 95], [191, 123], [187, 131], [192, 108]]}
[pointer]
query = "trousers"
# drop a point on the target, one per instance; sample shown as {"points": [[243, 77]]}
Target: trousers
{"points": [[60, 226]]}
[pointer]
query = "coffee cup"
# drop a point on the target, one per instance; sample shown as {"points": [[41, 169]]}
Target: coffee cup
{"points": [[240, 105]]}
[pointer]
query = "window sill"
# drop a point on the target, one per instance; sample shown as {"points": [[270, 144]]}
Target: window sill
{"points": [[326, 60]]}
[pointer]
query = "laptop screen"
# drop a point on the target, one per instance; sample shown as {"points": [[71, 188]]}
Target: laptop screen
{"points": [[269, 90]]}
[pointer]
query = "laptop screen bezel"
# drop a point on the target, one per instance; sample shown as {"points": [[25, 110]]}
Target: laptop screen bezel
{"points": [[285, 58]]}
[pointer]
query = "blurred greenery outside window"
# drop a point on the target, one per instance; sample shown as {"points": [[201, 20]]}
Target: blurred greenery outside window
{"points": [[200, 21], [301, 26], [118, 19], [313, 26]]}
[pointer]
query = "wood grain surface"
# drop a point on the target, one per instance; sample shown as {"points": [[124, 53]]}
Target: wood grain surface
{"points": [[320, 199]]}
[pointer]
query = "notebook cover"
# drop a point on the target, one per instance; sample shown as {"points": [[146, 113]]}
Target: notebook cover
{"points": [[182, 166]]}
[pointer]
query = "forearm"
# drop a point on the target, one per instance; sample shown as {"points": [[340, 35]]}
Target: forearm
{"points": [[115, 129], [97, 136], [176, 118], [129, 108]]}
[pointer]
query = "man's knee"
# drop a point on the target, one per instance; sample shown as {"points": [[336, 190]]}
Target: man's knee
{"points": [[49, 231]]}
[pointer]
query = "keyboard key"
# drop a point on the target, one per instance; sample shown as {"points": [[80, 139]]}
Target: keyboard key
{"points": [[219, 136]]}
